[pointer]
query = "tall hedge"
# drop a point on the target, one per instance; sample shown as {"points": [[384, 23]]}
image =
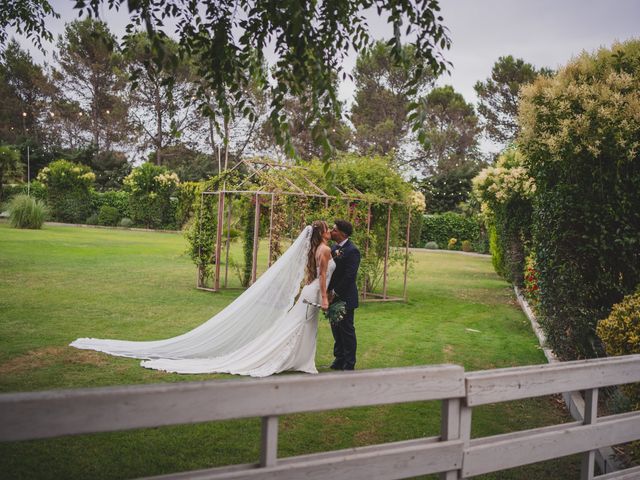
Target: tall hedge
{"points": [[581, 139], [442, 227]]}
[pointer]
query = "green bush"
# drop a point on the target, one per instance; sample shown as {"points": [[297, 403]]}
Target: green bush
{"points": [[580, 132], [150, 189], [186, 199], [431, 245], [126, 222], [505, 193], [10, 191], [481, 245], [466, 246], [26, 212], [68, 190], [118, 199], [92, 219], [108, 216], [34, 189], [441, 227], [620, 333]]}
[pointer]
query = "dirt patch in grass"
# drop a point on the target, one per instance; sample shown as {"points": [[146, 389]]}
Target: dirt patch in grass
{"points": [[47, 356], [371, 434], [447, 350]]}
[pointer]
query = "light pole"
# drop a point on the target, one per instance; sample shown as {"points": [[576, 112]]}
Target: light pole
{"points": [[24, 116]]}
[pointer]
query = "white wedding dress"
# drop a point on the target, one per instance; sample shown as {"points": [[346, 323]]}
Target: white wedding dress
{"points": [[260, 333]]}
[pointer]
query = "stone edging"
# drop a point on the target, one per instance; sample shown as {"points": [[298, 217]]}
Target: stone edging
{"points": [[605, 457]]}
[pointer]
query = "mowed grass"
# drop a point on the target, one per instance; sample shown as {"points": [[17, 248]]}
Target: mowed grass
{"points": [[61, 283]]}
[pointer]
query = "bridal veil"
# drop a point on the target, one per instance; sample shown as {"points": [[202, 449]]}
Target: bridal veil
{"points": [[247, 317]]}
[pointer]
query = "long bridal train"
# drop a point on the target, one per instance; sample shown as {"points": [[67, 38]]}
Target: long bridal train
{"points": [[260, 333]]}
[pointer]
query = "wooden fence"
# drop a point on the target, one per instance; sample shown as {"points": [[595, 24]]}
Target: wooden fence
{"points": [[452, 454]]}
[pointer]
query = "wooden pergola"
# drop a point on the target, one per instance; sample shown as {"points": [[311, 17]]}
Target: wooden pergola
{"points": [[258, 169]]}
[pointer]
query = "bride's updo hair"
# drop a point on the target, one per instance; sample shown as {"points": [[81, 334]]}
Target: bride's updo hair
{"points": [[318, 227]]}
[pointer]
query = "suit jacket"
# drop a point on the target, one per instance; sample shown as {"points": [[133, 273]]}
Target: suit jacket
{"points": [[343, 280]]}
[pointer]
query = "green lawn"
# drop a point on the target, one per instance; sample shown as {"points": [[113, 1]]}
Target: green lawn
{"points": [[61, 283]]}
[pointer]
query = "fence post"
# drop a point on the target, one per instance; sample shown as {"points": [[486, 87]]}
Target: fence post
{"points": [[269, 445], [450, 429], [590, 417]]}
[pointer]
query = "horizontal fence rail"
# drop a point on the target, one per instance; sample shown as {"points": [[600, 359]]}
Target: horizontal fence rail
{"points": [[453, 454]]}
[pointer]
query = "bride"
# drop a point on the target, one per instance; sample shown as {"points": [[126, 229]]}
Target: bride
{"points": [[261, 332]]}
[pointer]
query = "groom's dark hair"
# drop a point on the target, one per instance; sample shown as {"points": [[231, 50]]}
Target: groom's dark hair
{"points": [[345, 227]]}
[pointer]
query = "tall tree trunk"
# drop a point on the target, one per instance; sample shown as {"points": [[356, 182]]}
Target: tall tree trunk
{"points": [[158, 139]]}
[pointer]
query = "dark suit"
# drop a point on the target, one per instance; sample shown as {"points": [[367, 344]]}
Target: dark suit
{"points": [[343, 283]]}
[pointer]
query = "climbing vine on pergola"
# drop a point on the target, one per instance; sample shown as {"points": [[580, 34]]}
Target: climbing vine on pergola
{"points": [[281, 199]]}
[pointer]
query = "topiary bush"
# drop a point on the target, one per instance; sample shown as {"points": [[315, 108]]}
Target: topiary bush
{"points": [[69, 188], [126, 222], [466, 246], [108, 216], [27, 212], [579, 136], [431, 245]]}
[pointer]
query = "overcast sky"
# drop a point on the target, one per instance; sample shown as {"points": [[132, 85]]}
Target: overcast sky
{"points": [[546, 33]]}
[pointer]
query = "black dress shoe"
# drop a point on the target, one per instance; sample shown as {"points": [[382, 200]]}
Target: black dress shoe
{"points": [[350, 367], [336, 366]]}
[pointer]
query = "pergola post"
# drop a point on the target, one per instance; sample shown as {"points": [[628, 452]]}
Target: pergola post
{"points": [[366, 248], [386, 255], [256, 232], [406, 255], [216, 285], [200, 269], [273, 197], [226, 261]]}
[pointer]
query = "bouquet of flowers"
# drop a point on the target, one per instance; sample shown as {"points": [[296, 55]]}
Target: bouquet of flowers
{"points": [[336, 311]]}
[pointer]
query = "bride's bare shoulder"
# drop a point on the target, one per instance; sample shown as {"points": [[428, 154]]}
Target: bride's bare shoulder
{"points": [[323, 250]]}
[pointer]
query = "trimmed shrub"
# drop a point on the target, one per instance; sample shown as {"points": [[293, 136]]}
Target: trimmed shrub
{"points": [[431, 245], [580, 132], [452, 244], [26, 212], [108, 216], [126, 222], [466, 246], [68, 190]]}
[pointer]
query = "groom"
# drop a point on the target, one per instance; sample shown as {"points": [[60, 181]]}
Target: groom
{"points": [[343, 287]]}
